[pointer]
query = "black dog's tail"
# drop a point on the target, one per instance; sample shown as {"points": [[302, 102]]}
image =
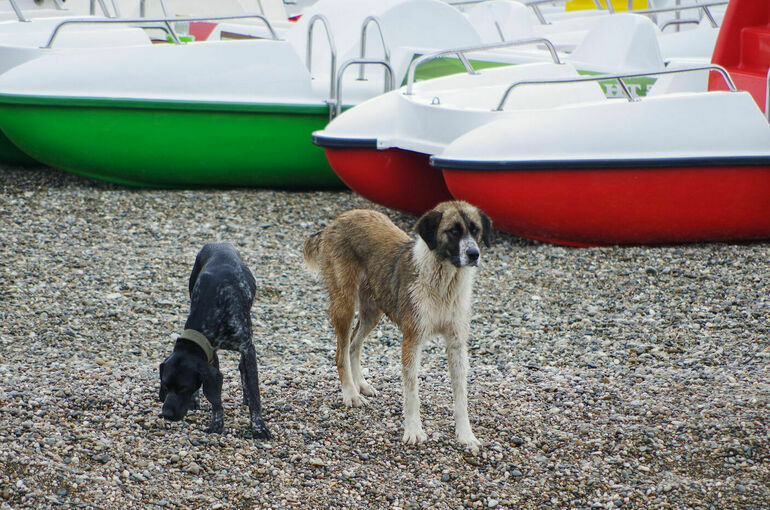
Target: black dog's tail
{"points": [[312, 251]]}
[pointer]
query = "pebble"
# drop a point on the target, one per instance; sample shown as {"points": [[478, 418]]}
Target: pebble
{"points": [[631, 377]]}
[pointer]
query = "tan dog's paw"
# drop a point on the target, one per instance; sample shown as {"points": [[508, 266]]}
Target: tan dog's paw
{"points": [[414, 436], [366, 389], [354, 400], [470, 441]]}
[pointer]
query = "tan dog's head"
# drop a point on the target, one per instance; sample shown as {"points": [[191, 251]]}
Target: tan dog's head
{"points": [[454, 230]]}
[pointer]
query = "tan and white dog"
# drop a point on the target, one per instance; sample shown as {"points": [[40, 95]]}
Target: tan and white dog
{"points": [[423, 285]]}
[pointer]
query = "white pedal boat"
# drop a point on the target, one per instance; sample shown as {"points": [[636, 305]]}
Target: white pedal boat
{"points": [[548, 156]]}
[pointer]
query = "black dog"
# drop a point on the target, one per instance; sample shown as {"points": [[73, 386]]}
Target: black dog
{"points": [[221, 293]]}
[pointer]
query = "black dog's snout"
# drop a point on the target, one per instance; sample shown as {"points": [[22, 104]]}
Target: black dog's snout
{"points": [[174, 409], [473, 254], [169, 415]]}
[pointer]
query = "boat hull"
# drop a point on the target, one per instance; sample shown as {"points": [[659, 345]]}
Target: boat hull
{"points": [[11, 155], [396, 178], [607, 206], [172, 143]]}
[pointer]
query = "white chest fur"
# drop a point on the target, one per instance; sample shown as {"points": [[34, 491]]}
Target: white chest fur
{"points": [[441, 293]]}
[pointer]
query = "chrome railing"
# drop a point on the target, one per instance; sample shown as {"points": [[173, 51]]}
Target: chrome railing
{"points": [[460, 52], [535, 6], [143, 8], [677, 22], [364, 26], [17, 10], [767, 96], [390, 83], [619, 78], [115, 8], [703, 7], [332, 51], [166, 24]]}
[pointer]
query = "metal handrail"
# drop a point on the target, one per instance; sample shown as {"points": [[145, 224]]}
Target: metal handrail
{"points": [[466, 2], [390, 82], [165, 21], [332, 49], [535, 6], [143, 9], [364, 27], [703, 7], [610, 7], [92, 8], [678, 22], [16, 9], [165, 28], [116, 9], [767, 97], [460, 52], [619, 77]]}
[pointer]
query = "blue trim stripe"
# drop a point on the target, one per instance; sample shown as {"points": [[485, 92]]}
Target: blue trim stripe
{"points": [[584, 164]]}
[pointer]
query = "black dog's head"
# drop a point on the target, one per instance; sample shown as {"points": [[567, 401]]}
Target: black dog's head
{"points": [[181, 375], [454, 230]]}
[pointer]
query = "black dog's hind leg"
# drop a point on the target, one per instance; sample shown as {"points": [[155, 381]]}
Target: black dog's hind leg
{"points": [[242, 370], [212, 389], [249, 364]]}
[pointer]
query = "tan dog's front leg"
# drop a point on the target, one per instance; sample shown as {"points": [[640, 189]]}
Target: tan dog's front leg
{"points": [[411, 350], [457, 358]]}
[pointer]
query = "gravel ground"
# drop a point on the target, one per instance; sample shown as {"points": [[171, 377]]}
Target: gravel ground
{"points": [[600, 378]]}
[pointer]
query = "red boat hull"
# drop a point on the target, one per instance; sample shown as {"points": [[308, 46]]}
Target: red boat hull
{"points": [[590, 207], [395, 178]]}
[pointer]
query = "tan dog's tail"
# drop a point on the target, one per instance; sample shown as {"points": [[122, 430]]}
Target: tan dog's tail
{"points": [[311, 252]]}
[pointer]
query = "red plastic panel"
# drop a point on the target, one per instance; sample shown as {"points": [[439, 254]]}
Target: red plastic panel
{"points": [[395, 178], [622, 206], [201, 30], [743, 47]]}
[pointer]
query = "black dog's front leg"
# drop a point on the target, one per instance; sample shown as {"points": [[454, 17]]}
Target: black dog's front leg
{"points": [[196, 396], [212, 389], [251, 387]]}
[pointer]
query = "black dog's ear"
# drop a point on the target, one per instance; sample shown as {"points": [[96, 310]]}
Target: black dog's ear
{"points": [[427, 227], [486, 229], [162, 393]]}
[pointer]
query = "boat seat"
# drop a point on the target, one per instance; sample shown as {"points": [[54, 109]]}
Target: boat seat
{"points": [[743, 47], [755, 49], [620, 43]]}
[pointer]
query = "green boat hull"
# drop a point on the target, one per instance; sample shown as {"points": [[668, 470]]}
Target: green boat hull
{"points": [[159, 143], [11, 155]]}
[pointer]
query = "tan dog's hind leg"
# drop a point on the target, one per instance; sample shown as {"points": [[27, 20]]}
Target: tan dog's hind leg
{"points": [[457, 359], [341, 311], [368, 317], [411, 351]]}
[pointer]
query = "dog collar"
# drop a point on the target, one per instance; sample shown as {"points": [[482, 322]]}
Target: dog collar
{"points": [[201, 341]]}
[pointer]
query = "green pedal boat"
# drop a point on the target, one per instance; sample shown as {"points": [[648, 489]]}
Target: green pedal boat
{"points": [[241, 114]]}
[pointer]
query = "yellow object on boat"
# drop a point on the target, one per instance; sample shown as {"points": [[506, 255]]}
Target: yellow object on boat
{"points": [[618, 5]]}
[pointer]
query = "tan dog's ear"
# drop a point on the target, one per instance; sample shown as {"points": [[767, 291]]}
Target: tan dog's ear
{"points": [[427, 227], [486, 229]]}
